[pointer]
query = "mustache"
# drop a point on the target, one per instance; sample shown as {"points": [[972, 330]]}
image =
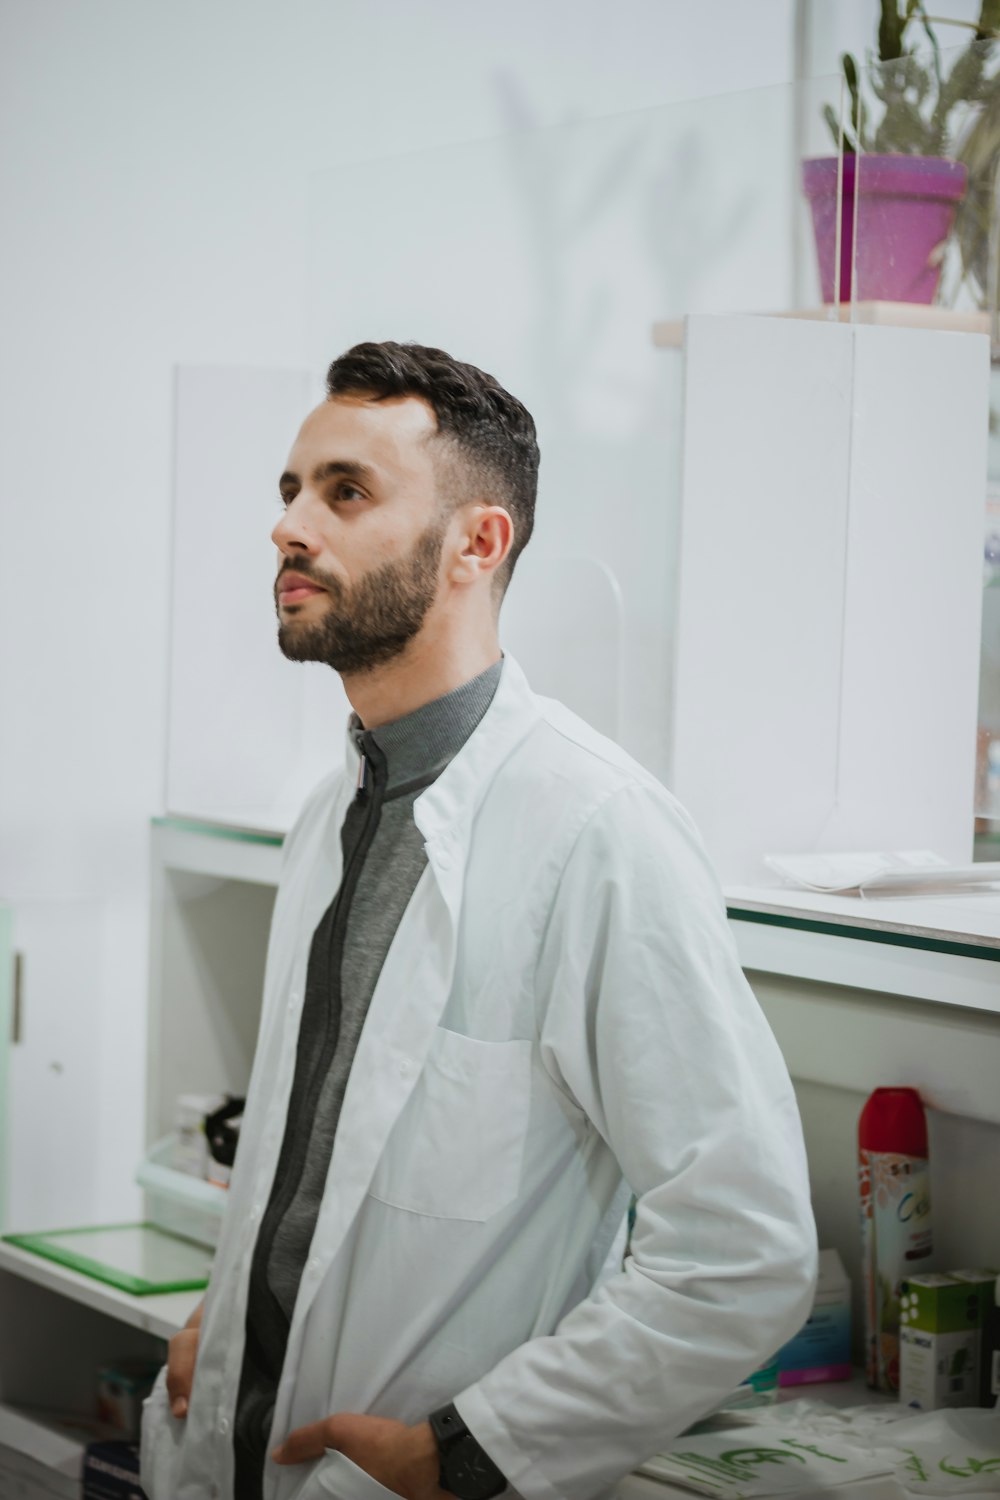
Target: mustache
{"points": [[322, 580]]}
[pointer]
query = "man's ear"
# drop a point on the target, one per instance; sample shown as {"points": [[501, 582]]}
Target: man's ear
{"points": [[486, 541]]}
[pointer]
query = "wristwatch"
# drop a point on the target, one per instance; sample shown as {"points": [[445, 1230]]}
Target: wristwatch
{"points": [[466, 1468]]}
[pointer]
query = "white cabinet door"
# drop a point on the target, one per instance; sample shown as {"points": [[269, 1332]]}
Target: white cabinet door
{"points": [[6, 1041], [57, 1071]]}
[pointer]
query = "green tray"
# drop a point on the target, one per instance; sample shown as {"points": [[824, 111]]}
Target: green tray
{"points": [[139, 1258]]}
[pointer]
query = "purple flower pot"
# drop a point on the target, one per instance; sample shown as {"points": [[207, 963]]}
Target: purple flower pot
{"points": [[905, 208]]}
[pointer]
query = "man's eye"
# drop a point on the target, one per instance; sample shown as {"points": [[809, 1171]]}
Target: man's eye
{"points": [[285, 500], [348, 492]]}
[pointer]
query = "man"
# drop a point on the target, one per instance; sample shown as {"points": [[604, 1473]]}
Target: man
{"points": [[500, 995]]}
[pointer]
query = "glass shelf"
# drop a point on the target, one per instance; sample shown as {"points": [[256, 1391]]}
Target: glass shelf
{"points": [[870, 929], [221, 831]]}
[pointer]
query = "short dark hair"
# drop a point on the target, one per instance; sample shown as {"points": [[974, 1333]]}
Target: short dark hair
{"points": [[492, 433]]}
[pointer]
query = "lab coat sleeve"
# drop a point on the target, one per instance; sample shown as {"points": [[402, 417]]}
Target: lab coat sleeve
{"points": [[648, 1024]]}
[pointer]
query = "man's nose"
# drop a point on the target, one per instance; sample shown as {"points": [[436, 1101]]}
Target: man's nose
{"points": [[292, 533]]}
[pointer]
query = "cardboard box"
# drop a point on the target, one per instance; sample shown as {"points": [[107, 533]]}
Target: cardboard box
{"points": [[940, 1334], [821, 1350], [989, 1386]]}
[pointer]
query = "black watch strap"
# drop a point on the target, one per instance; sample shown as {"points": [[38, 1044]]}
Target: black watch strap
{"points": [[466, 1468]]}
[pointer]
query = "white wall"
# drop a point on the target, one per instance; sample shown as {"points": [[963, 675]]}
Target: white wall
{"points": [[154, 183]]}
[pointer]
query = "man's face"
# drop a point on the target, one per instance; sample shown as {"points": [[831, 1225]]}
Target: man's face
{"points": [[361, 535]]}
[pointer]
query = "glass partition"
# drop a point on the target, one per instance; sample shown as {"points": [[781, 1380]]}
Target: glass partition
{"points": [[563, 259], [559, 258], [926, 127]]}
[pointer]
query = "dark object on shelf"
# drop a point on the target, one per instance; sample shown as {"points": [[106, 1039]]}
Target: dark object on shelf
{"points": [[111, 1472], [222, 1131]]}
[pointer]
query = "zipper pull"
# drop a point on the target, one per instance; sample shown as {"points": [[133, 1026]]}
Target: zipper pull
{"points": [[362, 781]]}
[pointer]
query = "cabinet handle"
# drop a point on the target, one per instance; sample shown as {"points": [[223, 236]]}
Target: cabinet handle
{"points": [[16, 1019]]}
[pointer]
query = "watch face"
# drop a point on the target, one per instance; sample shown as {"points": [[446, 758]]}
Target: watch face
{"points": [[471, 1474]]}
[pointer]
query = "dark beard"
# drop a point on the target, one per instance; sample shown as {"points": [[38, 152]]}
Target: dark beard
{"points": [[374, 621]]}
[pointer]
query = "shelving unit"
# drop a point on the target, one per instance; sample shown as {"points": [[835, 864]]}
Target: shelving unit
{"points": [[159, 1315], [213, 891], [946, 950], [669, 332], [39, 1456], [865, 993], [59, 1328], [215, 888]]}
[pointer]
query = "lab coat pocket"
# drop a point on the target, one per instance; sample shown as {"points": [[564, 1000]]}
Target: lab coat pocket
{"points": [[159, 1448], [339, 1477], [456, 1150]]}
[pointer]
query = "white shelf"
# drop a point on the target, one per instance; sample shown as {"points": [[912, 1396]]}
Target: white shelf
{"points": [[669, 334], [46, 1443], [160, 1314], [966, 918], [217, 850], [944, 949]]}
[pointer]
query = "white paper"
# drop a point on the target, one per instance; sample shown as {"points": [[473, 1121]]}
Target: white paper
{"points": [[807, 1446], [917, 870], [946, 1452], [763, 1460]]}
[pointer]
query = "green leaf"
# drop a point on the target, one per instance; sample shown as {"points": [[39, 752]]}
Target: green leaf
{"points": [[989, 19], [890, 31], [932, 38], [830, 116]]}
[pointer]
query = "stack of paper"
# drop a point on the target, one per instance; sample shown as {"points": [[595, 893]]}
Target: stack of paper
{"points": [[919, 871], [808, 1447]]}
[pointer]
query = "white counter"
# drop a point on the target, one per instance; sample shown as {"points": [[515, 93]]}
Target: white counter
{"points": [[943, 948]]}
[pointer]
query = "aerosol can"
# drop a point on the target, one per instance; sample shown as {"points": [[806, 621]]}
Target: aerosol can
{"points": [[894, 1182]]}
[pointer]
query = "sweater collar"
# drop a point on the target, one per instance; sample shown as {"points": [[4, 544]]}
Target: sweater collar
{"points": [[423, 742]]}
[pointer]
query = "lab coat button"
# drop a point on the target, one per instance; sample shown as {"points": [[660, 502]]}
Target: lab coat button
{"points": [[404, 1068], [223, 1425], [444, 859]]}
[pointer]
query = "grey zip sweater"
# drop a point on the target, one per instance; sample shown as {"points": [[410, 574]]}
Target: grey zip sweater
{"points": [[383, 858]]}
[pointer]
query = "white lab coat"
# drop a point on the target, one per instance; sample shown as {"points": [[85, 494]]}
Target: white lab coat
{"points": [[562, 1011]]}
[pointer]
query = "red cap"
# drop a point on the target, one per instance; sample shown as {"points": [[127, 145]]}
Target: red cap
{"points": [[894, 1120]]}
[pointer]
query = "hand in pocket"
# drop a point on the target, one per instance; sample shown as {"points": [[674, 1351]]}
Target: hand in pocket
{"points": [[390, 1455]]}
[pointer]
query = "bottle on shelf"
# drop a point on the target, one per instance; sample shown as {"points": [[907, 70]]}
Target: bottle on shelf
{"points": [[894, 1184]]}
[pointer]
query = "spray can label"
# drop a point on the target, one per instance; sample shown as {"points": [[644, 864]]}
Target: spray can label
{"points": [[895, 1237]]}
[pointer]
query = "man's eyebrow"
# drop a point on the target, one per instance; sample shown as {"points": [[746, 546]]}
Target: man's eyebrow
{"points": [[349, 468], [334, 468]]}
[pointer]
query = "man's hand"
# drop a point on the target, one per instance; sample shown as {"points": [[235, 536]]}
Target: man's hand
{"points": [[182, 1351], [403, 1459]]}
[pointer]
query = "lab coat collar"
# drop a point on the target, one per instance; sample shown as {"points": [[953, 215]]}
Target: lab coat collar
{"points": [[444, 812]]}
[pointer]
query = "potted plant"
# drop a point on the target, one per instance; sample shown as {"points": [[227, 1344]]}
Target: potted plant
{"points": [[926, 170]]}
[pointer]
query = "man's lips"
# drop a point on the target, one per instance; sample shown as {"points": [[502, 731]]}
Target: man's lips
{"points": [[292, 588]]}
